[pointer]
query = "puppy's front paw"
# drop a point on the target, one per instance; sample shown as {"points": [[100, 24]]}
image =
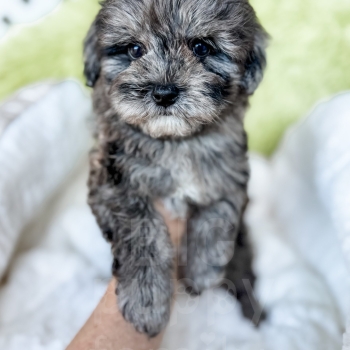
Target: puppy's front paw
{"points": [[145, 304]]}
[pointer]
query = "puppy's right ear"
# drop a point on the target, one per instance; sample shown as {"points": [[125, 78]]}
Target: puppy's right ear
{"points": [[92, 56]]}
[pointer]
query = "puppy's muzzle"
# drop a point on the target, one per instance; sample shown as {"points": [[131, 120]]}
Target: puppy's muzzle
{"points": [[165, 95]]}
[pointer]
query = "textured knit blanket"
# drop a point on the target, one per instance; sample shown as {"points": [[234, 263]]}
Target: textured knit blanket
{"points": [[55, 266]]}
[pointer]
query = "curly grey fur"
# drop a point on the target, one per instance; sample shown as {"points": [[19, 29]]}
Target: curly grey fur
{"points": [[191, 154]]}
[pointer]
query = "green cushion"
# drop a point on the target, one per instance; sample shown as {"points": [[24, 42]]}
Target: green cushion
{"points": [[308, 58]]}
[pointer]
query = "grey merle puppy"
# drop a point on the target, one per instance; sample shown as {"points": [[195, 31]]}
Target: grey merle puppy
{"points": [[171, 84]]}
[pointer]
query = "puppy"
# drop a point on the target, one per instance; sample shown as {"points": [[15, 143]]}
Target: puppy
{"points": [[171, 84]]}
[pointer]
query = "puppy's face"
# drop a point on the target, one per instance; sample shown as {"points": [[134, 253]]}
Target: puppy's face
{"points": [[171, 66]]}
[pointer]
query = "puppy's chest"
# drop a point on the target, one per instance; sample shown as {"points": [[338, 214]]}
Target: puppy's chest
{"points": [[188, 182], [188, 185]]}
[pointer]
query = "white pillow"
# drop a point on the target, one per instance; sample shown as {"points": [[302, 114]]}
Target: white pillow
{"points": [[43, 136]]}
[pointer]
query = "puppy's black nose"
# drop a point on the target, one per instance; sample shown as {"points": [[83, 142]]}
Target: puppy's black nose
{"points": [[165, 95]]}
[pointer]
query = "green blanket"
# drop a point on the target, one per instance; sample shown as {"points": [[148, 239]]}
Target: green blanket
{"points": [[308, 58]]}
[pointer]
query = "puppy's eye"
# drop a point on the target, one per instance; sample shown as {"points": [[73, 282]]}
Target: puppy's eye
{"points": [[135, 51], [201, 49]]}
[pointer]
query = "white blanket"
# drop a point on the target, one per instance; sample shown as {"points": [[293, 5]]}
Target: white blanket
{"points": [[23, 11], [57, 265]]}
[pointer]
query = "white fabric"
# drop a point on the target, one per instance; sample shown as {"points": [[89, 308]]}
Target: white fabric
{"points": [[20, 11], [299, 219], [38, 150]]}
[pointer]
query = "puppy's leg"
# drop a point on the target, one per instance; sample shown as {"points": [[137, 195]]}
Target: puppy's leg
{"points": [[143, 259], [143, 254], [209, 244], [240, 273]]}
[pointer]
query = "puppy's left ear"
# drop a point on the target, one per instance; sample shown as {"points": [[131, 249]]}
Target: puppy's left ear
{"points": [[255, 63], [92, 56]]}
